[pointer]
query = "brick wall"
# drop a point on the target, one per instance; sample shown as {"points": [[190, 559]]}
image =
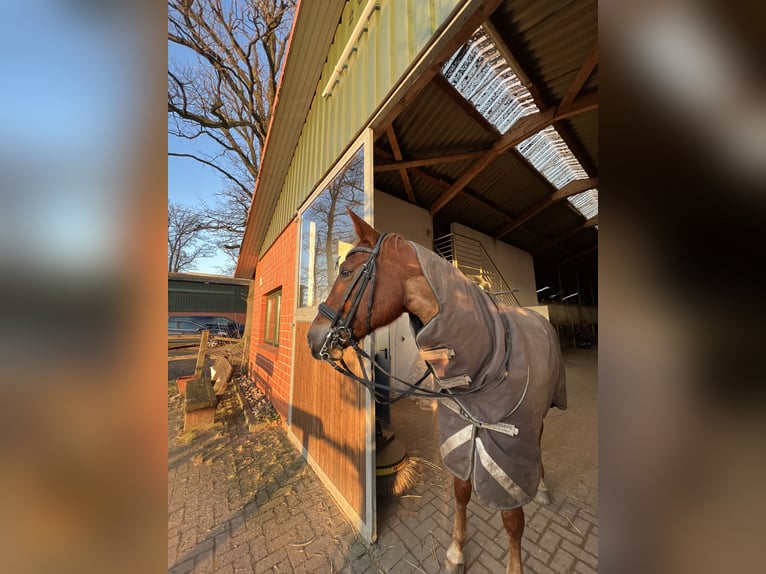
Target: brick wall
{"points": [[269, 365]]}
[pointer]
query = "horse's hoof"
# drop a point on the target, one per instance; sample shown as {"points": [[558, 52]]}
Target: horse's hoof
{"points": [[451, 568], [543, 498]]}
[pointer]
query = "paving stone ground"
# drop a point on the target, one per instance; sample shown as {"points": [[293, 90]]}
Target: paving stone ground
{"points": [[245, 501]]}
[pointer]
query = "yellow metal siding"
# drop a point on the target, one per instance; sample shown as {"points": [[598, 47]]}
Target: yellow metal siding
{"points": [[396, 33]]}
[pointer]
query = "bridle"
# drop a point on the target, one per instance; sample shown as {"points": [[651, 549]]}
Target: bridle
{"points": [[340, 334], [340, 327]]}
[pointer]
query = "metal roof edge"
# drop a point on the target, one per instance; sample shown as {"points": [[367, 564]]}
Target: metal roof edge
{"points": [[205, 278], [287, 117]]}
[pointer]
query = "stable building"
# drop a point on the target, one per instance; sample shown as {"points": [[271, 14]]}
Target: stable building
{"points": [[191, 294], [467, 126]]}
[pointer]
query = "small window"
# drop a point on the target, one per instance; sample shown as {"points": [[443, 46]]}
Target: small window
{"points": [[273, 306]]}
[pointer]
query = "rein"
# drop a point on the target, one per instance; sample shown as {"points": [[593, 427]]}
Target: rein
{"points": [[340, 333]]}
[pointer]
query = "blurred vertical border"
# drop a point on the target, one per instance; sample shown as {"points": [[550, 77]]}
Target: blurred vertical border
{"points": [[84, 287], [681, 375]]}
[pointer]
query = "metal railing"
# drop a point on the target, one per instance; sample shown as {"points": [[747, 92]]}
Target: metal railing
{"points": [[472, 259]]}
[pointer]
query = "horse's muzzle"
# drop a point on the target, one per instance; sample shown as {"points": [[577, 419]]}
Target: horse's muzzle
{"points": [[321, 348], [315, 339]]}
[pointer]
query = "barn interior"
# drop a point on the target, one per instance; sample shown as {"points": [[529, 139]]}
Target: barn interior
{"points": [[503, 140]]}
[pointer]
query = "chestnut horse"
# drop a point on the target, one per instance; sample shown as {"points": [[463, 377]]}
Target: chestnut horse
{"points": [[497, 370]]}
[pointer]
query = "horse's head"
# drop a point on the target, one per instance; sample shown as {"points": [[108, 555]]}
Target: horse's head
{"points": [[368, 293]]}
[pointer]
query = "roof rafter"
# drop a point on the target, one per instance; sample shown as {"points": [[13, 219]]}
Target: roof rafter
{"points": [[446, 184], [558, 239], [581, 77], [398, 156], [564, 129], [481, 14], [524, 128], [570, 189], [448, 158]]}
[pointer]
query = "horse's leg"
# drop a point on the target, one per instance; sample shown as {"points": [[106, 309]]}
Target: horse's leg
{"points": [[513, 520], [454, 563], [542, 497]]}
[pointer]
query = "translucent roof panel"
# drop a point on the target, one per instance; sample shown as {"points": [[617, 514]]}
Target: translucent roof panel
{"points": [[551, 157], [586, 203], [481, 74], [548, 153]]}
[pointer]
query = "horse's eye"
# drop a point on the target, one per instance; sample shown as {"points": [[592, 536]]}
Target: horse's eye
{"points": [[345, 272]]}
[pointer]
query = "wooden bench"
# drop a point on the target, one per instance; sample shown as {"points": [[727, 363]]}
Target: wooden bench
{"points": [[220, 375], [203, 394], [200, 404]]}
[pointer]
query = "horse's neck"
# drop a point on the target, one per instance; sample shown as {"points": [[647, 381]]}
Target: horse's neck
{"points": [[420, 299]]}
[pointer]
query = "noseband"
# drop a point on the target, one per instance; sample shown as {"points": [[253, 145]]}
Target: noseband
{"points": [[340, 332]]}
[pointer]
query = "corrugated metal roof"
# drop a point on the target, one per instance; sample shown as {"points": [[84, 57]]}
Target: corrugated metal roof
{"points": [[547, 42], [551, 39], [481, 74], [432, 108], [585, 128]]}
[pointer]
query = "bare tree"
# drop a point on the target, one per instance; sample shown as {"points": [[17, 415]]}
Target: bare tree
{"points": [[224, 94], [186, 238]]}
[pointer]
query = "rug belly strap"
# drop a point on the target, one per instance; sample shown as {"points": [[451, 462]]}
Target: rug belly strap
{"points": [[451, 383], [503, 428]]}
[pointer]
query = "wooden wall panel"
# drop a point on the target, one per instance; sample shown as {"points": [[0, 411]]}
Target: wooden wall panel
{"points": [[329, 419]]}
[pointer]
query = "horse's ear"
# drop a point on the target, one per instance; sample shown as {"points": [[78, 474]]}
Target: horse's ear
{"points": [[367, 235]]}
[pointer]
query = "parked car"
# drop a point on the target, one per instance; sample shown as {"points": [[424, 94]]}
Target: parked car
{"points": [[219, 326], [180, 326]]}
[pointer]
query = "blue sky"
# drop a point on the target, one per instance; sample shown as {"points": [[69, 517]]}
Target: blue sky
{"points": [[72, 107], [189, 181]]}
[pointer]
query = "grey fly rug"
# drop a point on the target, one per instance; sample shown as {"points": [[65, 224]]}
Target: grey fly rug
{"points": [[512, 358]]}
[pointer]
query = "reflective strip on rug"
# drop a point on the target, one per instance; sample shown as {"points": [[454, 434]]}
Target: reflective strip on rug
{"points": [[456, 440], [498, 473]]}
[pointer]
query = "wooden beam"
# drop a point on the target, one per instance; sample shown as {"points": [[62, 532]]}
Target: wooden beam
{"points": [[470, 110], [565, 131], [201, 354], [575, 187], [580, 78], [449, 158], [446, 184], [556, 240], [513, 63], [398, 156], [523, 218], [524, 128], [572, 188]]}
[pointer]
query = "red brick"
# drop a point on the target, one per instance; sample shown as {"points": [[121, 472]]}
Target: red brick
{"points": [[276, 269]]}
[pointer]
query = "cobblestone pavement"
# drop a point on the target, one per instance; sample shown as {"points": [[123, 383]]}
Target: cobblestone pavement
{"points": [[242, 501]]}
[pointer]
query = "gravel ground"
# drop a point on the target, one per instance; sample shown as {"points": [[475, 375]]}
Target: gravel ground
{"points": [[262, 409]]}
